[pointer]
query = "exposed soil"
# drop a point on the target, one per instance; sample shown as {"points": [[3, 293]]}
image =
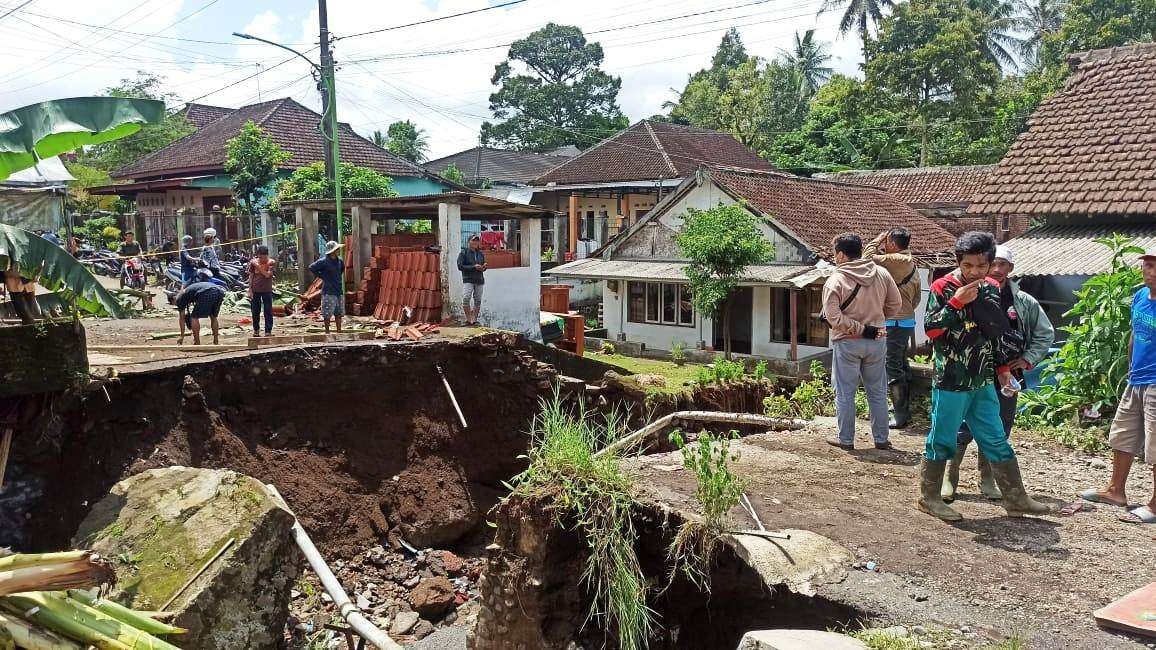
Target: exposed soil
{"points": [[990, 575]]}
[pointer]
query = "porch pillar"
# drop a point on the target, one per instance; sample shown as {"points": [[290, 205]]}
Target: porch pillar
{"points": [[306, 245], [449, 231], [794, 300], [572, 245], [362, 229], [268, 234]]}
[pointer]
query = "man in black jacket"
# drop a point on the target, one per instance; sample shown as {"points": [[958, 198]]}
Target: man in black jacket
{"points": [[472, 264]]}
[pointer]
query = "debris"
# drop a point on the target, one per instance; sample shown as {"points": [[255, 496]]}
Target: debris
{"points": [[433, 597], [404, 622], [798, 640]]}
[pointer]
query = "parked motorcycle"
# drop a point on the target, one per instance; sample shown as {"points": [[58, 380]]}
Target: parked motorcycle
{"points": [[133, 275]]}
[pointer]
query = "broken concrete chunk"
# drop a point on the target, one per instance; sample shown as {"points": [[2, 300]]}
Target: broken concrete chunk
{"points": [[163, 525], [433, 597], [801, 563], [404, 622], [798, 640]]}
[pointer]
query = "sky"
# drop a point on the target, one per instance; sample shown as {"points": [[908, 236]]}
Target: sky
{"points": [[68, 48]]}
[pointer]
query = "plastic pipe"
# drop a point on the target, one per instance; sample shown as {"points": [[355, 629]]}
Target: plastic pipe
{"points": [[775, 424], [349, 611]]}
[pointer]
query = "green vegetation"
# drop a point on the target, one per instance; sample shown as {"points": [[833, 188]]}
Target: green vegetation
{"points": [[720, 244], [717, 490], [406, 140], [878, 639], [591, 495], [252, 159], [310, 182], [453, 174], [811, 398], [110, 156], [720, 372], [1091, 368], [677, 377], [677, 353]]}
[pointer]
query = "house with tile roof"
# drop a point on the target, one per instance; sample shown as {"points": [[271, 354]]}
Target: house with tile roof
{"points": [[776, 309], [487, 166], [188, 175], [941, 194], [613, 184], [1085, 168]]}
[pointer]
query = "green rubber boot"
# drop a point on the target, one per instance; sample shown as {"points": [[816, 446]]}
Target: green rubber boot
{"points": [[930, 484], [986, 481], [951, 478], [1015, 498]]}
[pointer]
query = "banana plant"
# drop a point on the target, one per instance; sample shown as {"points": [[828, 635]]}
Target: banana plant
{"points": [[58, 271]]}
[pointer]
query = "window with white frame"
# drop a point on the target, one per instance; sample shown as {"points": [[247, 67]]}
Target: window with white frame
{"points": [[659, 303]]}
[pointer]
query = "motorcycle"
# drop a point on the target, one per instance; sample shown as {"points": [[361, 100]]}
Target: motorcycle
{"points": [[132, 274]]}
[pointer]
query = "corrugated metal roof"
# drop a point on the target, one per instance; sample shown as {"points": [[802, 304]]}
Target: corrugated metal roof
{"points": [[600, 269], [1069, 249]]}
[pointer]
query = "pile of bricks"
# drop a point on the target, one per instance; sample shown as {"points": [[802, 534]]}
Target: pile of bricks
{"points": [[368, 296], [411, 280], [414, 331]]}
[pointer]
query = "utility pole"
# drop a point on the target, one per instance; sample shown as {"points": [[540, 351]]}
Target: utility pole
{"points": [[329, 121]]}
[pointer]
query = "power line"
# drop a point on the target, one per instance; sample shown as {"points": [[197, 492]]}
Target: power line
{"points": [[15, 9], [433, 20]]}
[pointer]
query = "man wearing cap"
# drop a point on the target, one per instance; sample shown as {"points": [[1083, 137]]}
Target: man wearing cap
{"points": [[1025, 344], [472, 264], [890, 250], [1133, 431], [330, 268]]}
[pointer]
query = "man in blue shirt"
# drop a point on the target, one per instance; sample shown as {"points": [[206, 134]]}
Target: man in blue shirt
{"points": [[331, 270], [1133, 432]]}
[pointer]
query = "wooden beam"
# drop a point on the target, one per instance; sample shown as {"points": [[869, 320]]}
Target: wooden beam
{"points": [[794, 299], [573, 217]]}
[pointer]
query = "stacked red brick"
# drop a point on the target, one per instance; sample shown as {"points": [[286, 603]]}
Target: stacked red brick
{"points": [[365, 298], [411, 280]]}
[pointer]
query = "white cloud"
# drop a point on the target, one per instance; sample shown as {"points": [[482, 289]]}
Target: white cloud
{"points": [[446, 95]]}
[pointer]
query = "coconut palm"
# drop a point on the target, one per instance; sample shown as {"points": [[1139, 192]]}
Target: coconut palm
{"points": [[1036, 19], [998, 21], [809, 57], [859, 14], [379, 139]]}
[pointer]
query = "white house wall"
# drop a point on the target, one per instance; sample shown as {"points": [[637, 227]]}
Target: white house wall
{"points": [[761, 345], [661, 337]]}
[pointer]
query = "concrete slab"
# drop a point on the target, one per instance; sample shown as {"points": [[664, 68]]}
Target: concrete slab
{"points": [[798, 640], [801, 563]]}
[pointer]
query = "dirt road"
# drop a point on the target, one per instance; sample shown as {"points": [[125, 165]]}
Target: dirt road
{"points": [[990, 575]]}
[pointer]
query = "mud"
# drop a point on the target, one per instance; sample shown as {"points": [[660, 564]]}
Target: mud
{"points": [[360, 439]]}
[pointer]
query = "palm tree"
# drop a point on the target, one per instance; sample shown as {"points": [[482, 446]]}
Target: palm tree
{"points": [[809, 57], [998, 21], [858, 14], [379, 139], [1037, 19]]}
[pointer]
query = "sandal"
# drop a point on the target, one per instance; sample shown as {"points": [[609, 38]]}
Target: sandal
{"points": [[1071, 508], [1141, 515], [1093, 495]]}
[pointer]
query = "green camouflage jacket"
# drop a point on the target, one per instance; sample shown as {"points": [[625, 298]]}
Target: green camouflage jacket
{"points": [[963, 357]]}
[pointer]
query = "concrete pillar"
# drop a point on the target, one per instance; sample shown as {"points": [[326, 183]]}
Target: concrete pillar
{"points": [[449, 231], [531, 248], [306, 245], [362, 231], [573, 226], [269, 229]]}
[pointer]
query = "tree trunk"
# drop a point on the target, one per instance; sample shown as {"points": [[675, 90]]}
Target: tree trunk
{"points": [[727, 328]]}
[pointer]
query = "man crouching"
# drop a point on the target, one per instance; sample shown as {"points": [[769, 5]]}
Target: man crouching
{"points": [[964, 319]]}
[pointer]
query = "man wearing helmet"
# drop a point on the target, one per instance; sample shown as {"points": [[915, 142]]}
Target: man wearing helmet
{"points": [[209, 254]]}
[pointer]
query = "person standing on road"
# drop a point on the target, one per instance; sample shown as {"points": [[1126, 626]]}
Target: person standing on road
{"points": [[965, 323], [472, 264], [261, 271], [1026, 343], [201, 299], [188, 261], [1133, 431], [891, 251], [858, 299], [330, 268]]}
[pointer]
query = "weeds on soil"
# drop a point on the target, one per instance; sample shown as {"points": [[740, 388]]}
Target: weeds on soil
{"points": [[718, 491], [811, 398], [592, 496]]}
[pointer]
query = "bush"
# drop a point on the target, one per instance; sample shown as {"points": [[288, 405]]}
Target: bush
{"points": [[94, 229], [812, 398], [677, 354], [606, 348], [721, 371]]}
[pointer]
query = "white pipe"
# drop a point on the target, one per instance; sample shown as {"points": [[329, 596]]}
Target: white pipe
{"points": [[349, 611], [776, 424]]}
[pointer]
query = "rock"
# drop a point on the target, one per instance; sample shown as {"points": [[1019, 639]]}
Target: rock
{"points": [[174, 520], [453, 564], [362, 602], [404, 622], [798, 640], [432, 597], [423, 629], [895, 630], [1098, 463], [430, 505], [918, 630], [648, 380]]}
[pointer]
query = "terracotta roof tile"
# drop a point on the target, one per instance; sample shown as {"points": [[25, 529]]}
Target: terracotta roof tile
{"points": [[201, 114], [648, 151], [289, 124], [1096, 136], [500, 165], [922, 185], [816, 210]]}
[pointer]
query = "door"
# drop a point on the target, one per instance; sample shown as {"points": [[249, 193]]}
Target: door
{"points": [[741, 309]]}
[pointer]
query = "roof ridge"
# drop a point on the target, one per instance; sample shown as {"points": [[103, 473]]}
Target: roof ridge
{"points": [[1077, 59], [582, 154], [935, 169], [660, 148]]}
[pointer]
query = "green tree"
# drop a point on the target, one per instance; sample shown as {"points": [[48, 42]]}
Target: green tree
{"points": [[379, 139], [1095, 24], [720, 244], [452, 173], [311, 182], [87, 176], [407, 141], [931, 53], [997, 23], [252, 159], [859, 15], [702, 89], [562, 98], [1037, 20], [118, 153], [809, 57]]}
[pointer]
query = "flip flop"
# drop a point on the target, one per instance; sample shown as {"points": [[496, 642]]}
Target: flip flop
{"points": [[1092, 495], [1071, 508], [1141, 515]]}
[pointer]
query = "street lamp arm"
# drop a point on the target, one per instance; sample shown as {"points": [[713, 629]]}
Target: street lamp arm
{"points": [[284, 47]]}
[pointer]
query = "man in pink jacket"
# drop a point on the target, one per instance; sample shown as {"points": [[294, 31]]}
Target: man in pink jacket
{"points": [[858, 299]]}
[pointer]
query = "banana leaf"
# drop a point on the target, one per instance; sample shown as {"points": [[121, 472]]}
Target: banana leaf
{"points": [[54, 127], [58, 271]]}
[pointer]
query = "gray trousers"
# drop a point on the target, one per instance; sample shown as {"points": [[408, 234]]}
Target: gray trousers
{"points": [[852, 360]]}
